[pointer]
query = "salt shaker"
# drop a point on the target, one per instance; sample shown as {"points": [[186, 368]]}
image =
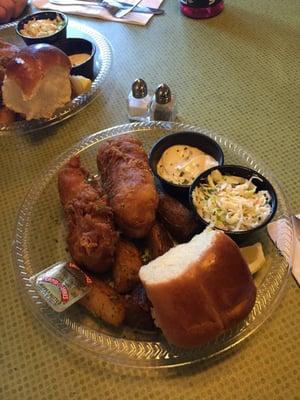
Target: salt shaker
{"points": [[163, 106], [138, 102], [201, 8]]}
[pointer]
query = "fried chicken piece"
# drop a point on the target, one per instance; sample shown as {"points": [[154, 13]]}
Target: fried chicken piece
{"points": [[138, 310], [176, 217], [127, 265], [91, 235], [104, 302], [129, 183], [158, 240]]}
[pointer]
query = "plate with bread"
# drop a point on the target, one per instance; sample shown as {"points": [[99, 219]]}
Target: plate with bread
{"points": [[45, 88], [165, 291]]}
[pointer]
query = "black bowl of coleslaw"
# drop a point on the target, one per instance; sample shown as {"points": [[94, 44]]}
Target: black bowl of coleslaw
{"points": [[43, 27], [232, 198]]}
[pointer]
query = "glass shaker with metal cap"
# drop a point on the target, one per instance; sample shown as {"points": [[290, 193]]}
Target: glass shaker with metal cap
{"points": [[163, 104], [138, 102]]}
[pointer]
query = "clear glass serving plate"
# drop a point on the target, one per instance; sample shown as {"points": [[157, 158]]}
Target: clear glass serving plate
{"points": [[102, 66], [40, 241]]}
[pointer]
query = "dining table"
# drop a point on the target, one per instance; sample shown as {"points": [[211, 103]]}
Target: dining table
{"points": [[235, 75]]}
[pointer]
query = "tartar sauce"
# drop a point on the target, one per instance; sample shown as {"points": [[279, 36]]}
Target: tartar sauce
{"points": [[77, 59], [181, 164]]}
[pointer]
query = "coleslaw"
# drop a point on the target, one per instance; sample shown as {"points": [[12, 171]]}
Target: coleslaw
{"points": [[231, 202]]}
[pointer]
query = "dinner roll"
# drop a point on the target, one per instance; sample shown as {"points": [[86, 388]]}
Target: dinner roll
{"points": [[199, 289], [37, 81]]}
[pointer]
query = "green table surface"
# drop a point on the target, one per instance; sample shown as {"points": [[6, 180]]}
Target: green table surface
{"points": [[236, 74]]}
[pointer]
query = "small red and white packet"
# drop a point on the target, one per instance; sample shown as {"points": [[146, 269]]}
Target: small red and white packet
{"points": [[61, 285]]}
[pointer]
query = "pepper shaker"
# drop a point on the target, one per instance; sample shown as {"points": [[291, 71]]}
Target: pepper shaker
{"points": [[163, 106], [138, 102]]}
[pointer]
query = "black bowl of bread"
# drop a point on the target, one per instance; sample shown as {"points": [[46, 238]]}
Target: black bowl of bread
{"points": [[232, 198], [43, 27], [177, 159]]}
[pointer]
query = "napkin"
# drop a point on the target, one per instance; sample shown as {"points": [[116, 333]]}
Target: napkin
{"points": [[274, 229], [102, 13]]}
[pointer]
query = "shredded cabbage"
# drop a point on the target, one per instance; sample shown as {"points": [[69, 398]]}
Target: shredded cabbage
{"points": [[231, 203]]}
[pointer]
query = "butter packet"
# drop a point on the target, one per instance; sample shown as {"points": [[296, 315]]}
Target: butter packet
{"points": [[61, 285]]}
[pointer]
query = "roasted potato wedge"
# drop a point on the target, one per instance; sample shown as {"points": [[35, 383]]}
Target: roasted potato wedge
{"points": [[158, 240], [138, 309], [176, 217], [104, 302], [127, 265]]}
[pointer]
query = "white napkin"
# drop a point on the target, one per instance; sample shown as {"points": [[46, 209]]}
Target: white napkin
{"points": [[99, 12], [274, 229]]}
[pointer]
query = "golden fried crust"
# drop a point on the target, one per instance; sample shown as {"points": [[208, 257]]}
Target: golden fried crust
{"points": [[127, 265], [129, 183], [91, 234], [176, 218], [32, 63]]}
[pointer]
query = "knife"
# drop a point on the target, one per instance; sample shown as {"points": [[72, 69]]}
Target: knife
{"points": [[122, 5], [122, 13]]}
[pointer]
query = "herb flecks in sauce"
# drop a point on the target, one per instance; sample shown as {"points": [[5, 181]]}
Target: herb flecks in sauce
{"points": [[181, 164]]}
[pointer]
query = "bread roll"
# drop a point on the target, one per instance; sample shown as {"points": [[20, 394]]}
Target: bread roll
{"points": [[7, 52], [199, 289], [37, 81]]}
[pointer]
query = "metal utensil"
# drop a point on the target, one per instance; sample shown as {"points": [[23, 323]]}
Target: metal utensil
{"points": [[122, 13], [111, 7]]}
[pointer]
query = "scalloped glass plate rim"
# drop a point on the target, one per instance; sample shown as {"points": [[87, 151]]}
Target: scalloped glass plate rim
{"points": [[79, 102], [146, 354]]}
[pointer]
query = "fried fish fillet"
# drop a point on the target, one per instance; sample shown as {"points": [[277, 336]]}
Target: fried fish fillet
{"points": [[129, 183], [91, 235]]}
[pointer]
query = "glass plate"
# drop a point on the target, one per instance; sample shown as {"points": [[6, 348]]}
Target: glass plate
{"points": [[102, 65], [40, 241]]}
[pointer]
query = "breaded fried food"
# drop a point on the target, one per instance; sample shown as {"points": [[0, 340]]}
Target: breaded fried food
{"points": [[129, 183], [91, 237], [158, 240], [104, 302], [127, 265], [138, 310], [176, 217]]}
